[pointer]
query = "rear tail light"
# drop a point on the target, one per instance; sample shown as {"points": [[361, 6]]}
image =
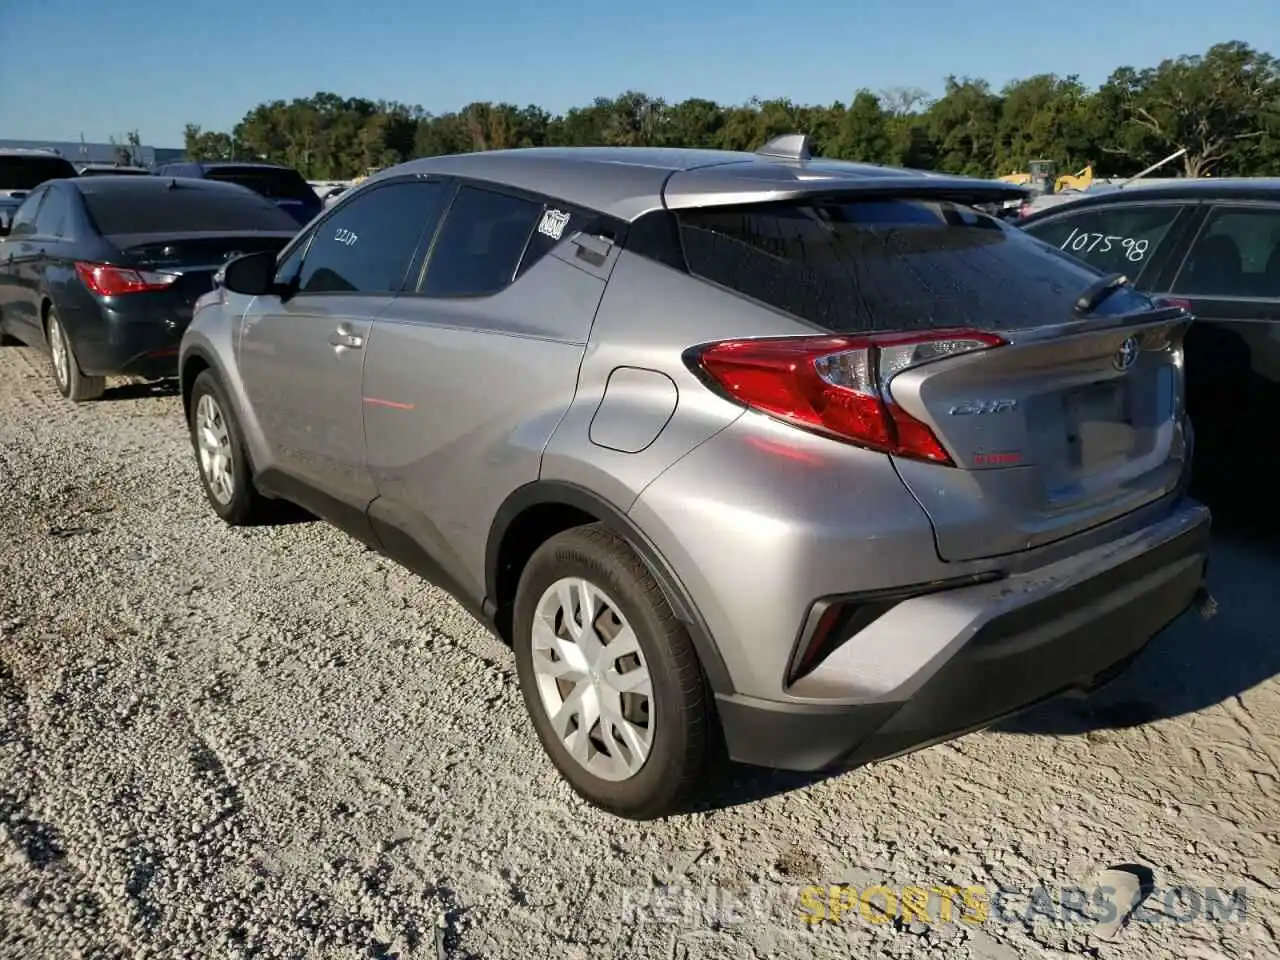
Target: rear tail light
{"points": [[1174, 302], [108, 281], [838, 386]]}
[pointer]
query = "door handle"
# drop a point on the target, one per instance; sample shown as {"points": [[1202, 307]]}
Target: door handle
{"points": [[340, 338]]}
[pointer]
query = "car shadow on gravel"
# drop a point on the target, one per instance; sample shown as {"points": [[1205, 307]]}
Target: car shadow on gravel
{"points": [[742, 784], [141, 390], [1195, 663]]}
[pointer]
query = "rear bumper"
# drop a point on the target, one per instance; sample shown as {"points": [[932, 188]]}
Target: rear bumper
{"points": [[1019, 641], [143, 346]]}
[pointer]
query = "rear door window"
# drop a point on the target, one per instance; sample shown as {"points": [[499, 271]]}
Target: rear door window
{"points": [[1237, 254], [1116, 238], [366, 245], [140, 206], [853, 266], [481, 243]]}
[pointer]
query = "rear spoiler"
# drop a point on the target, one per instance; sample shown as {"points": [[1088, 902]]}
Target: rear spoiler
{"points": [[788, 172], [686, 191]]}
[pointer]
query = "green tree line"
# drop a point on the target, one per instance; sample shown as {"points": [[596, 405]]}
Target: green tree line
{"points": [[1222, 107]]}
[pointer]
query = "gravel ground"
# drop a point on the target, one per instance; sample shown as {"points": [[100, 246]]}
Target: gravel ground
{"points": [[273, 743]]}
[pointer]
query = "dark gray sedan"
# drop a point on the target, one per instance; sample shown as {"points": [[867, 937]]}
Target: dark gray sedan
{"points": [[102, 272]]}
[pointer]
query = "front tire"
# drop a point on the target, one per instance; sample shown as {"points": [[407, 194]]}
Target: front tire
{"points": [[610, 677], [71, 383], [221, 457]]}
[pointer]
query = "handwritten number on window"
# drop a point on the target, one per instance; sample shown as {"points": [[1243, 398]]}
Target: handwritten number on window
{"points": [[346, 237], [1132, 249]]}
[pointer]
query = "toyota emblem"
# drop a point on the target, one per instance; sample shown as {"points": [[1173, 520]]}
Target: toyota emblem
{"points": [[1126, 355]]}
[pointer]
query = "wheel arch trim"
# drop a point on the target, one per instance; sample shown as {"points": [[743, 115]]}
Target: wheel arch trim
{"points": [[209, 358], [562, 493]]}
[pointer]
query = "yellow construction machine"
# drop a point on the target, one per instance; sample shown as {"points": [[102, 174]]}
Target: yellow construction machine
{"points": [[1040, 176], [1074, 181]]}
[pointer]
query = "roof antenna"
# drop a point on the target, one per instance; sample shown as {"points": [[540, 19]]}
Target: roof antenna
{"points": [[789, 146]]}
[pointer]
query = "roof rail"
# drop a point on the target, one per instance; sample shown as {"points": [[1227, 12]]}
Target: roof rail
{"points": [[789, 146]]}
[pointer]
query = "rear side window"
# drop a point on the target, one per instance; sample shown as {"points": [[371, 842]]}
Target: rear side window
{"points": [[144, 208], [54, 213], [1237, 254], [366, 245], [271, 182], [481, 243], [27, 173], [869, 266], [1114, 238], [555, 222], [24, 218]]}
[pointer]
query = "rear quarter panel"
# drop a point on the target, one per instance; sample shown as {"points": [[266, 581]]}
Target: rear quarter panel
{"points": [[59, 285], [649, 316]]}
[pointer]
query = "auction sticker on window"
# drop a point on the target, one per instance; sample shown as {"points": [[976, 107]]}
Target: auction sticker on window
{"points": [[553, 223]]}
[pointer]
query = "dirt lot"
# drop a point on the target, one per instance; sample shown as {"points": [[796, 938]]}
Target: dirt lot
{"points": [[273, 743]]}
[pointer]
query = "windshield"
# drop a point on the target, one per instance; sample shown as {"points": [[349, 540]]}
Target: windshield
{"points": [[272, 182], [27, 173]]}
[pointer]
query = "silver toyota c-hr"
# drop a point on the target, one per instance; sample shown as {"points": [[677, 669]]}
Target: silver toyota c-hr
{"points": [[812, 462]]}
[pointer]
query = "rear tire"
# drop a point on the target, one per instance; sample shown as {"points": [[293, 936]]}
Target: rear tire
{"points": [[67, 377], [647, 740], [221, 458]]}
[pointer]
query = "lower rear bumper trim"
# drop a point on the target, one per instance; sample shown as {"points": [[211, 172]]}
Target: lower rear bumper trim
{"points": [[1074, 639]]}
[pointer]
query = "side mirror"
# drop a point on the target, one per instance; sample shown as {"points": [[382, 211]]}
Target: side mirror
{"points": [[252, 274], [4, 226]]}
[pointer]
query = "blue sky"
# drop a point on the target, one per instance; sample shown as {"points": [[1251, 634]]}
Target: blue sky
{"points": [[70, 67]]}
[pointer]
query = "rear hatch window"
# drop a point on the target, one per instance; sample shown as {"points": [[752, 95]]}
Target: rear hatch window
{"points": [[27, 173], [275, 183], [182, 210], [887, 265]]}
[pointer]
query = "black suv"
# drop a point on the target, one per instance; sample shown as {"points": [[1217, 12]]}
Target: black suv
{"points": [[21, 171], [1215, 244], [282, 185]]}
